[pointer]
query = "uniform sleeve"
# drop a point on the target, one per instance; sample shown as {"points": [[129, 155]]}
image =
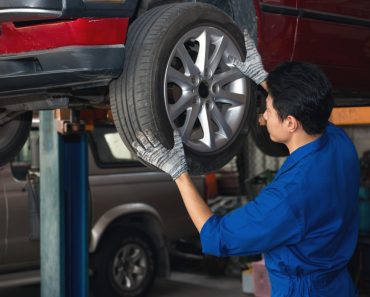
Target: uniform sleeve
{"points": [[259, 226]]}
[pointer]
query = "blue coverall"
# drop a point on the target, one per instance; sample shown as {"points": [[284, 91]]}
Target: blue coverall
{"points": [[305, 221]]}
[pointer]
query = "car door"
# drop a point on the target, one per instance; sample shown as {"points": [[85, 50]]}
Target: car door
{"points": [[277, 31], [117, 178], [336, 35], [3, 214], [21, 251]]}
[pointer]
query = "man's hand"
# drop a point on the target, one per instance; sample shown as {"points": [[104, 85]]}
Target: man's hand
{"points": [[252, 67], [153, 152]]}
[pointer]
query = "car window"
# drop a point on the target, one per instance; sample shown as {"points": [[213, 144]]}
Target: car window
{"points": [[109, 149]]}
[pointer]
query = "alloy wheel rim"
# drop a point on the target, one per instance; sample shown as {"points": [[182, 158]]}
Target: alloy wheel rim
{"points": [[130, 267], [205, 96]]}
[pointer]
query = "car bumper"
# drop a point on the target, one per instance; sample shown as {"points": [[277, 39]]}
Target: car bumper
{"points": [[25, 10], [72, 66]]}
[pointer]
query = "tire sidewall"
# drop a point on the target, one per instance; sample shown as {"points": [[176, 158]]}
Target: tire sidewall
{"points": [[260, 134]]}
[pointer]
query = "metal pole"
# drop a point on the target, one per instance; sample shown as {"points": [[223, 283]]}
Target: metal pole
{"points": [[63, 211], [76, 197], [51, 210]]}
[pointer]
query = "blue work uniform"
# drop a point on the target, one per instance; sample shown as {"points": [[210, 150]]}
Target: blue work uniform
{"points": [[305, 221]]}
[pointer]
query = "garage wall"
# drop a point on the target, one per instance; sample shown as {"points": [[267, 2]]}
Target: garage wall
{"points": [[360, 136]]}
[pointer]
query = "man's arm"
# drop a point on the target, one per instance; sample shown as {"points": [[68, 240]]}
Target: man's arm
{"points": [[258, 226], [173, 162], [197, 208]]}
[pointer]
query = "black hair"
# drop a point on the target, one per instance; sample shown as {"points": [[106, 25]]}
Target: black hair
{"points": [[303, 91]]}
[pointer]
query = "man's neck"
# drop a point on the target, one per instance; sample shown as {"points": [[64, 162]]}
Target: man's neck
{"points": [[300, 139]]}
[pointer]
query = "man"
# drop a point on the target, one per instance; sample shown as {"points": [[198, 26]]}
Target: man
{"points": [[306, 221]]}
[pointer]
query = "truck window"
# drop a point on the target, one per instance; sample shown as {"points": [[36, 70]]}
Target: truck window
{"points": [[109, 148]]}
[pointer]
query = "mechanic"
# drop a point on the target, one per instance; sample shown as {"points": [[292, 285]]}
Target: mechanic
{"points": [[306, 220]]}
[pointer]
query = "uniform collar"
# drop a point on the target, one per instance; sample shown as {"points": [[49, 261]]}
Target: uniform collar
{"points": [[302, 152]]}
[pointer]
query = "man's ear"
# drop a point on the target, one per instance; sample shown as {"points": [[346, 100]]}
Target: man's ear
{"points": [[292, 123]]}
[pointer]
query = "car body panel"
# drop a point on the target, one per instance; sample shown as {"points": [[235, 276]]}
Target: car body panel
{"points": [[16, 238], [3, 216], [354, 8], [127, 185], [286, 3], [332, 34], [33, 10], [341, 49], [278, 40], [78, 32], [332, 49]]}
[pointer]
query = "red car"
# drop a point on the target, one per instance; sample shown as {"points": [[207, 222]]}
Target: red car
{"points": [[161, 65]]}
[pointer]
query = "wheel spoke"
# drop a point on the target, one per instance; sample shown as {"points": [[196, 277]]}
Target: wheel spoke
{"points": [[191, 118], [203, 54], [138, 270], [227, 77], [129, 281], [219, 119], [234, 99], [176, 109], [221, 45], [175, 76], [122, 277], [123, 255], [205, 121], [137, 255], [188, 63]]}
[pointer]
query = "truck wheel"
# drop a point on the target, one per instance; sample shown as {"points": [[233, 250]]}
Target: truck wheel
{"points": [[176, 76], [13, 135], [124, 265]]}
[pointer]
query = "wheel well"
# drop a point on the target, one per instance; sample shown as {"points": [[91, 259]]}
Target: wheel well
{"points": [[243, 12], [151, 227]]}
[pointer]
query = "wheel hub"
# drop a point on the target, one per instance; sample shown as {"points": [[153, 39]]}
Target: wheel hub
{"points": [[203, 89], [130, 267]]}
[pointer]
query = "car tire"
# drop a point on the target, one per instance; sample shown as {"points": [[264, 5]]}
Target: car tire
{"points": [[13, 136], [260, 134], [213, 128], [124, 256], [262, 139]]}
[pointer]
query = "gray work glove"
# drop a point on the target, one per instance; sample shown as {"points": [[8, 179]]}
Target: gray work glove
{"points": [[252, 67], [171, 161]]}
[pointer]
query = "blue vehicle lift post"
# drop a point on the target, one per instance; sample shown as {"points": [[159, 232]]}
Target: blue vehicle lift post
{"points": [[63, 207]]}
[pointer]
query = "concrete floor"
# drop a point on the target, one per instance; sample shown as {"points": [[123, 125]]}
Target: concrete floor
{"points": [[180, 284]]}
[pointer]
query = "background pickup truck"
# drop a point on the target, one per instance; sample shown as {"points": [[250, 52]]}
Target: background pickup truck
{"points": [[135, 214]]}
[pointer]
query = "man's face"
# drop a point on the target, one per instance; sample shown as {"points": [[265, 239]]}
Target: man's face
{"points": [[277, 128]]}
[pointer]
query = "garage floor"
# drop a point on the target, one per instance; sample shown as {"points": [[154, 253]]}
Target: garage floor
{"points": [[180, 284]]}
